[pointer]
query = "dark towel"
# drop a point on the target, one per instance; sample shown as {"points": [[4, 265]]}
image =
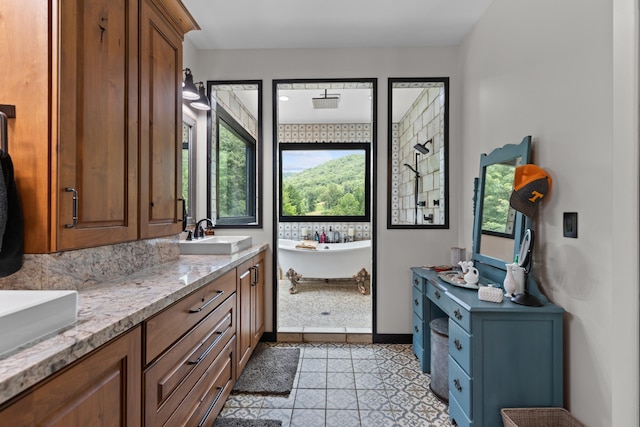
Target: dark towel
{"points": [[13, 238]]}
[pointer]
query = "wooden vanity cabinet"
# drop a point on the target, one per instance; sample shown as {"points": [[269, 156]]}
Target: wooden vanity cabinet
{"points": [[251, 290], [190, 354], [102, 389], [95, 83]]}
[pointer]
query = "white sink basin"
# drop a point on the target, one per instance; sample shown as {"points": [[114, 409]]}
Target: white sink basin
{"points": [[215, 245], [28, 315]]}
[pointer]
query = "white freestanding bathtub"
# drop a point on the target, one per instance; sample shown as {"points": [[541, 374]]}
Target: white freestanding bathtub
{"points": [[327, 261]]}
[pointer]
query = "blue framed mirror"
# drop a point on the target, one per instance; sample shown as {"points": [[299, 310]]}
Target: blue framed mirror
{"points": [[498, 229]]}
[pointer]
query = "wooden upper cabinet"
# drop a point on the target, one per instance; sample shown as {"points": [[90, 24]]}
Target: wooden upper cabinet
{"points": [[98, 132], [160, 124], [95, 142]]}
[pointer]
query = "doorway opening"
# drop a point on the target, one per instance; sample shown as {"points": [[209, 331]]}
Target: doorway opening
{"points": [[324, 240]]}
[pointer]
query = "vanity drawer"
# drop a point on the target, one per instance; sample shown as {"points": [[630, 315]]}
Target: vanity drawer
{"points": [[208, 396], [438, 297], [419, 282], [166, 327], [460, 386], [459, 315], [456, 415], [418, 330], [170, 378], [417, 301], [460, 346]]}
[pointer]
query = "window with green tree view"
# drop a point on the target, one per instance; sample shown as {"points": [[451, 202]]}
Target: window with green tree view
{"points": [[324, 181]]}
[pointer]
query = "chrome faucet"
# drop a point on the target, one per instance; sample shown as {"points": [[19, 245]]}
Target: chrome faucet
{"points": [[199, 232]]}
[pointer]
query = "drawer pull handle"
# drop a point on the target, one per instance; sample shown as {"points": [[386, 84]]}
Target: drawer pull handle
{"points": [[208, 350], [457, 344], [215, 400], [203, 306], [437, 294], [416, 301], [454, 423], [416, 329], [456, 383], [457, 314], [415, 281]]}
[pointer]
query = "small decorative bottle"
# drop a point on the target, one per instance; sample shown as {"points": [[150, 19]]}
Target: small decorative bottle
{"points": [[509, 283], [316, 236], [329, 235], [323, 237]]}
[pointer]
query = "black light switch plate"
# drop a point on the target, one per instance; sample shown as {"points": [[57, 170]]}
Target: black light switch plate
{"points": [[570, 224]]}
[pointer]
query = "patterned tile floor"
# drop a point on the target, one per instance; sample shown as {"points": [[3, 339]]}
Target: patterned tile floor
{"points": [[349, 385], [319, 304]]}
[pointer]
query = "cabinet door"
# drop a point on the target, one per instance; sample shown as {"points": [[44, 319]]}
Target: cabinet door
{"points": [[96, 191], [257, 299], [160, 125], [244, 290], [101, 390]]}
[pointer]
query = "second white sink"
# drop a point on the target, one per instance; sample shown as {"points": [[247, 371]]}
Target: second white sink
{"points": [[215, 245], [28, 315]]}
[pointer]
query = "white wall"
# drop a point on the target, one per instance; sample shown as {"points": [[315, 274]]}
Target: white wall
{"points": [[559, 72], [397, 249]]}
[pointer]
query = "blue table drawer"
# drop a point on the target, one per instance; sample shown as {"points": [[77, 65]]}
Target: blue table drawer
{"points": [[438, 297], [419, 282], [458, 314], [417, 301], [418, 330], [460, 386], [460, 346], [456, 414]]}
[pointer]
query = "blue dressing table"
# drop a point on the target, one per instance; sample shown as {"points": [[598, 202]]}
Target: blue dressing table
{"points": [[504, 354]]}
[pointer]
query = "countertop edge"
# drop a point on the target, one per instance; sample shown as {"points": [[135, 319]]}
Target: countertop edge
{"points": [[102, 317]]}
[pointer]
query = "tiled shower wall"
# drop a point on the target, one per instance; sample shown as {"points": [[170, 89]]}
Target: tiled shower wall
{"points": [[423, 121], [324, 132]]}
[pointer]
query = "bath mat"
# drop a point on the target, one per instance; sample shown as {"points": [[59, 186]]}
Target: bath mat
{"points": [[240, 422], [270, 370]]}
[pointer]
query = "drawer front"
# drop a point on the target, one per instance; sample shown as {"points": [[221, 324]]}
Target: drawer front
{"points": [[458, 314], [418, 282], [170, 378], [207, 398], [418, 330], [456, 415], [166, 327], [460, 386], [438, 297], [417, 301], [460, 346]]}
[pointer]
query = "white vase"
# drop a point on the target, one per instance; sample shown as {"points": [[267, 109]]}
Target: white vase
{"points": [[509, 284]]}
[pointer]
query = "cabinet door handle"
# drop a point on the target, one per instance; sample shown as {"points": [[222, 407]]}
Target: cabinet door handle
{"points": [[437, 294], [208, 350], [457, 344], [457, 314], [215, 400], [74, 214], [256, 268], [203, 306], [457, 385]]}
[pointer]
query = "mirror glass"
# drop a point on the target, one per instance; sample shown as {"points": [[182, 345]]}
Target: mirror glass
{"points": [[498, 228], [234, 153], [418, 187]]}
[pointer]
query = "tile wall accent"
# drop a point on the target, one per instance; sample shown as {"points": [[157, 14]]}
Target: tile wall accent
{"points": [[88, 267], [425, 120], [325, 132], [292, 230]]}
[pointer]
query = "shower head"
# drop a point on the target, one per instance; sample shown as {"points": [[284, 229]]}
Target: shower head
{"points": [[326, 101], [423, 147], [412, 169]]}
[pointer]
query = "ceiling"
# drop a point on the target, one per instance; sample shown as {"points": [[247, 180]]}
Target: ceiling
{"points": [[282, 24], [285, 24]]}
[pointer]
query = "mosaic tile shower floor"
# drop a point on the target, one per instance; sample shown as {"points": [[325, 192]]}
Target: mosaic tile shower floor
{"points": [[319, 304], [349, 385]]}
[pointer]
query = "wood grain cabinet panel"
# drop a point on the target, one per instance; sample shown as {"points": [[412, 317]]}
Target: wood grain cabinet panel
{"points": [[251, 293], [102, 389]]}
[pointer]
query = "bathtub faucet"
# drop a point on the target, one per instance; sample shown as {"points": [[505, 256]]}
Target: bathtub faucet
{"points": [[199, 232]]}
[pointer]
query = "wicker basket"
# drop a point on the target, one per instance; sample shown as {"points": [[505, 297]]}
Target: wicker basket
{"points": [[539, 417]]}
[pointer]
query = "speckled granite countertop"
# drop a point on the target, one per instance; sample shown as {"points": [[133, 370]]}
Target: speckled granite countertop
{"points": [[108, 310]]}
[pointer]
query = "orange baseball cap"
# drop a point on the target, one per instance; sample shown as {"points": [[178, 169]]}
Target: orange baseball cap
{"points": [[531, 184]]}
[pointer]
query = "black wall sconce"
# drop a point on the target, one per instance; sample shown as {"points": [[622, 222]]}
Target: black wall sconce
{"points": [[189, 89]]}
